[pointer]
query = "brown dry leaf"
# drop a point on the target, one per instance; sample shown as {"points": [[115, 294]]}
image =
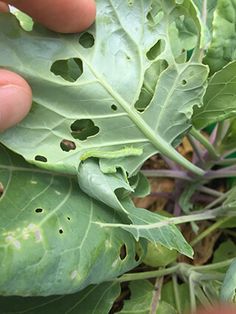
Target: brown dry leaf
{"points": [[185, 148], [203, 250], [158, 185]]}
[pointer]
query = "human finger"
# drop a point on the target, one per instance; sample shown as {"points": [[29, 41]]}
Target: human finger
{"points": [[15, 99], [65, 16]]}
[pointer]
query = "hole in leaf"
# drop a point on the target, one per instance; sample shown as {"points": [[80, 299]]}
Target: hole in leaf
{"points": [[1, 189], [184, 82], [38, 210], [83, 128], [87, 40], [123, 252], [70, 69], [68, 218], [156, 50], [137, 258], [151, 77], [67, 145], [61, 231], [41, 158], [114, 107]]}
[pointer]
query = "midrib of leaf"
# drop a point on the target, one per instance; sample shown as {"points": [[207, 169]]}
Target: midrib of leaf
{"points": [[161, 145]]}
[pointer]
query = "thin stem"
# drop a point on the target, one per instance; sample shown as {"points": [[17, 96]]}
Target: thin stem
{"points": [[225, 162], [192, 294], [209, 230], [209, 191], [203, 140], [174, 174], [222, 129], [222, 173], [156, 295], [217, 201], [148, 274], [214, 266], [176, 294], [180, 268], [224, 210], [197, 149], [201, 296]]}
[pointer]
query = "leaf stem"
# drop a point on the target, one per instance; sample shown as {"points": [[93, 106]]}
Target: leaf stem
{"points": [[197, 150], [176, 294], [148, 274], [180, 268], [174, 174], [214, 266], [209, 230], [203, 140], [157, 141]]}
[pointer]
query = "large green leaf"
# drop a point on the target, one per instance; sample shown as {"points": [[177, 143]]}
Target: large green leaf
{"points": [[219, 102], [86, 86], [92, 300], [228, 288], [223, 45], [50, 241]]}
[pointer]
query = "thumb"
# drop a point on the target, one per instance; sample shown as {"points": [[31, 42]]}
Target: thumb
{"points": [[15, 99]]}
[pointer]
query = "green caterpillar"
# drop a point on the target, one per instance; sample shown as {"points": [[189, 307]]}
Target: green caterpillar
{"points": [[124, 152]]}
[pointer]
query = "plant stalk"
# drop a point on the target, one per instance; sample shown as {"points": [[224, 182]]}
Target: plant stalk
{"points": [[203, 140]]}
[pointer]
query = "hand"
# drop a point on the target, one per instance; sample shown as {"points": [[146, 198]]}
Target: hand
{"points": [[65, 16]]}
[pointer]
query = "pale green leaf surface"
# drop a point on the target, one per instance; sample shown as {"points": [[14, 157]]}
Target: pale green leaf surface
{"points": [[223, 45], [219, 102], [112, 73], [92, 300], [112, 190], [49, 243], [141, 300], [210, 5], [228, 289]]}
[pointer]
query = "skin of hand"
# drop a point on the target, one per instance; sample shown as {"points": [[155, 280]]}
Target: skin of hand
{"points": [[218, 309], [64, 16]]}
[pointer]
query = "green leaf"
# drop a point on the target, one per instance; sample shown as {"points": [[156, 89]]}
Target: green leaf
{"points": [[229, 285], [226, 250], [141, 300], [219, 102], [229, 141], [113, 191], [94, 112], [25, 20], [223, 45], [154, 228], [211, 5], [50, 241], [92, 300], [168, 296]]}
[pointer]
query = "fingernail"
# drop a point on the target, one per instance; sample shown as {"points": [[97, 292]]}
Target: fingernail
{"points": [[15, 103]]}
